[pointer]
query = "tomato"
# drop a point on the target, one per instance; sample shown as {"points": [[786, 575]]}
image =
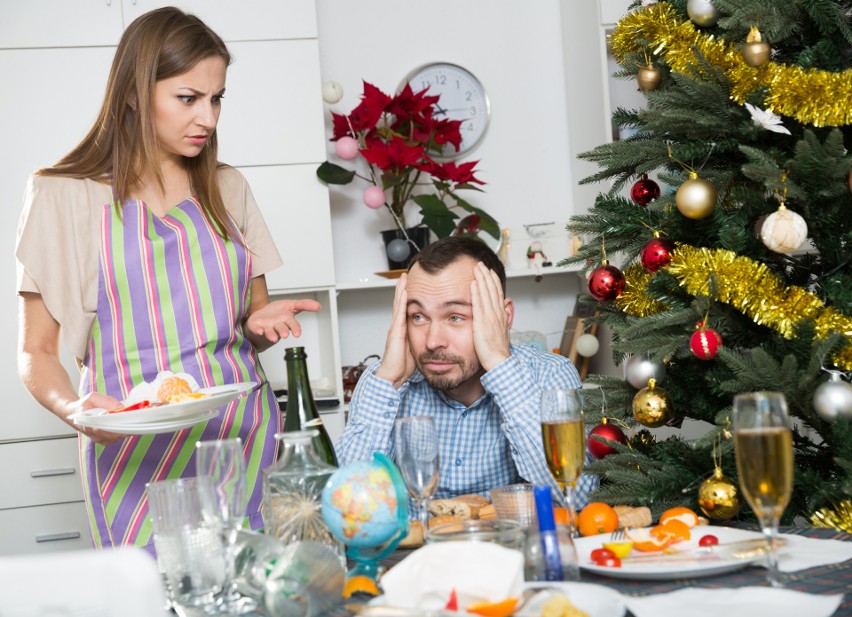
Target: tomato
{"points": [[601, 553], [708, 540], [133, 407], [608, 562]]}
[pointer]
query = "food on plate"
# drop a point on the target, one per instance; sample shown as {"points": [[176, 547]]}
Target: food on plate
{"points": [[560, 606], [675, 529], [620, 549], [173, 389], [166, 387], [597, 518], [632, 518], [643, 540], [465, 506], [133, 407], [487, 512], [502, 608], [680, 513], [708, 540], [416, 537]]}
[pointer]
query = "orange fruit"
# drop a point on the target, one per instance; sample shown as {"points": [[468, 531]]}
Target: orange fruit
{"points": [[560, 516], [503, 608], [680, 513], [361, 583], [675, 529], [597, 518], [645, 541]]}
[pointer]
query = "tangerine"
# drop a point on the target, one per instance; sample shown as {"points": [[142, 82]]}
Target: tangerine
{"points": [[674, 529], [560, 516], [680, 513], [360, 583], [596, 518], [503, 608], [645, 541]]}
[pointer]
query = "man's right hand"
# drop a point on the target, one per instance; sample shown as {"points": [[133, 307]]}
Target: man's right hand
{"points": [[398, 363]]}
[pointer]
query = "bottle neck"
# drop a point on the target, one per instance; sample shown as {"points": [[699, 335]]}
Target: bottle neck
{"points": [[301, 407], [300, 453]]}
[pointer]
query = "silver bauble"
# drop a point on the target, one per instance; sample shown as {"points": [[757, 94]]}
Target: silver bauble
{"points": [[640, 368], [702, 13], [398, 249], [833, 399]]}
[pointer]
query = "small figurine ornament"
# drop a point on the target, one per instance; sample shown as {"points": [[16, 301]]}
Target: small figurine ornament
{"points": [[536, 258]]}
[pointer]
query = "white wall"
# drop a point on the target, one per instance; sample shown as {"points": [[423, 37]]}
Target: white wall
{"points": [[534, 80]]}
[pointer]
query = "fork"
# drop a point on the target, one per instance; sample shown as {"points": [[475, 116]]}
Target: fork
{"points": [[618, 535]]}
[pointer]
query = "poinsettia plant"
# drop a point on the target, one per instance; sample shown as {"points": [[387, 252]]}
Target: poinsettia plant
{"points": [[397, 137]]}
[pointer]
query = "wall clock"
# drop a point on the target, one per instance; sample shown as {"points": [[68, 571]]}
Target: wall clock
{"points": [[462, 98]]}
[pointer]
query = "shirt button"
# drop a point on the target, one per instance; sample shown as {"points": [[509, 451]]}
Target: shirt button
{"points": [[464, 414], [387, 415], [390, 402], [458, 462]]}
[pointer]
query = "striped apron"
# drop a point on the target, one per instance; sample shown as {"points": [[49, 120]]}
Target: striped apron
{"points": [[172, 295]]}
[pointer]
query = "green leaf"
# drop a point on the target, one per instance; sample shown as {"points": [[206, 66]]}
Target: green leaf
{"points": [[334, 174], [436, 215], [487, 223]]}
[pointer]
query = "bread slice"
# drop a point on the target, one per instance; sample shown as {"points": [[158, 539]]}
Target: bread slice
{"points": [[465, 506], [487, 512]]}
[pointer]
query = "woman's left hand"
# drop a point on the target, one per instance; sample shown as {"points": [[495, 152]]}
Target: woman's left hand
{"points": [[277, 320]]}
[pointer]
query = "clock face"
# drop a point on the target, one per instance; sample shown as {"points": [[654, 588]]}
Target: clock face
{"points": [[462, 98]]}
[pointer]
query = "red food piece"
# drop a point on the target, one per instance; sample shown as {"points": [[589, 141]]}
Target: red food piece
{"points": [[453, 602], [133, 407], [601, 553], [608, 562], [708, 540]]}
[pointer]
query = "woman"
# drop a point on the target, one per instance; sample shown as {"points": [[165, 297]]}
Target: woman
{"points": [[147, 255]]}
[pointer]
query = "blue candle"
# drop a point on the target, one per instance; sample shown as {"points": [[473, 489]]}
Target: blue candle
{"points": [[547, 531]]}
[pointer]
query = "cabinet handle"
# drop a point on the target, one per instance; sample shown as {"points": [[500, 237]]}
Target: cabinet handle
{"points": [[44, 473], [53, 537]]}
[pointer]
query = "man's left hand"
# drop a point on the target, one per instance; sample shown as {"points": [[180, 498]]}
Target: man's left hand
{"points": [[491, 319]]}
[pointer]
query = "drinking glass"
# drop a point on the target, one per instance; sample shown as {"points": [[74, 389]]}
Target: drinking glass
{"points": [[224, 463], [416, 445], [763, 444], [564, 436]]}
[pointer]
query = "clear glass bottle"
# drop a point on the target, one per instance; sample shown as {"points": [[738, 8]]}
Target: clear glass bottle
{"points": [[292, 492], [302, 411]]}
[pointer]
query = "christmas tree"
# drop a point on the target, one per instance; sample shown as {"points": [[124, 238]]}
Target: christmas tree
{"points": [[737, 275]]}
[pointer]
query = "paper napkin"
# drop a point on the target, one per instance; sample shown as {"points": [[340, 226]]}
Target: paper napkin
{"points": [[478, 571], [741, 602], [802, 553]]}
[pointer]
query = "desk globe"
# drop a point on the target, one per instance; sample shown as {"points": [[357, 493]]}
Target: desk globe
{"points": [[365, 505]]}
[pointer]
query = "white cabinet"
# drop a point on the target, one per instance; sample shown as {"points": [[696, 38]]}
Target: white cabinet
{"points": [[60, 23]]}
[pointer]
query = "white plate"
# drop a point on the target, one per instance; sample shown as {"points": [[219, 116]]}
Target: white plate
{"points": [[682, 561], [150, 428], [219, 396], [596, 600]]}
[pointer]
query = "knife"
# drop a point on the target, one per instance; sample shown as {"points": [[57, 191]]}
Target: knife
{"points": [[741, 549]]}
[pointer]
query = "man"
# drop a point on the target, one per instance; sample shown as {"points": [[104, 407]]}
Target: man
{"points": [[448, 355]]}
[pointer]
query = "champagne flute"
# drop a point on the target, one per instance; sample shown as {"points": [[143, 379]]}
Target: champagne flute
{"points": [[416, 446], [763, 443], [224, 463], [564, 436]]}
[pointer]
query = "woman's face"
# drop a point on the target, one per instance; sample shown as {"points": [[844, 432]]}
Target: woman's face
{"points": [[186, 108]]}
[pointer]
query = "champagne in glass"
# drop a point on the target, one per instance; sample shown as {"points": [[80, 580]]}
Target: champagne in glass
{"points": [[564, 436], [418, 459], [763, 443]]}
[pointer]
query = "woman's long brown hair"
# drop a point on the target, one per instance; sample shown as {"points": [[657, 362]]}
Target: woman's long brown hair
{"points": [[122, 147]]}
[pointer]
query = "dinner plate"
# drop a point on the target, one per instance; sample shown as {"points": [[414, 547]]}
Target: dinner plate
{"points": [[173, 412], [150, 428], [596, 600], [682, 560]]}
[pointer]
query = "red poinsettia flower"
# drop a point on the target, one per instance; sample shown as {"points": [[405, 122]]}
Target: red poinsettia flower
{"points": [[395, 153], [340, 126], [366, 115], [408, 104], [448, 132], [451, 172]]}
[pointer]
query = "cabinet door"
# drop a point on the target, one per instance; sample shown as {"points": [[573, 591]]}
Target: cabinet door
{"points": [[296, 209], [272, 111], [44, 529], [60, 23], [243, 20], [40, 472]]}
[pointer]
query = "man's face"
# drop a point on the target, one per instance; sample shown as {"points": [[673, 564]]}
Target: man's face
{"points": [[440, 325]]}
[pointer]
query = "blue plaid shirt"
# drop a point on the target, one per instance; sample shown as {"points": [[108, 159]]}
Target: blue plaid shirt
{"points": [[494, 442]]}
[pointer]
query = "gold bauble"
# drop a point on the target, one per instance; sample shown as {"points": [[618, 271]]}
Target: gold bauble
{"points": [[755, 51], [696, 198], [652, 406], [649, 78], [719, 497]]}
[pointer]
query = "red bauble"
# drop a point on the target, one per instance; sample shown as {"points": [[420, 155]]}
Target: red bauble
{"points": [[704, 343], [645, 191], [608, 431], [606, 283], [657, 254]]}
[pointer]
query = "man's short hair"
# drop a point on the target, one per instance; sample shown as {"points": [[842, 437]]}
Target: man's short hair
{"points": [[438, 255]]}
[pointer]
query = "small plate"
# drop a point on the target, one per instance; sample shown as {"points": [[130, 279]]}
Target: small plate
{"points": [[680, 561], [219, 396], [391, 274], [150, 428], [596, 600]]}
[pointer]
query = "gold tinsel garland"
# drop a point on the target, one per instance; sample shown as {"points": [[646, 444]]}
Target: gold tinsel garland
{"points": [[837, 517], [747, 285], [819, 98], [634, 300]]}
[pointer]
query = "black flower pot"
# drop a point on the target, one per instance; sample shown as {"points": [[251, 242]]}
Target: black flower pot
{"points": [[419, 235]]}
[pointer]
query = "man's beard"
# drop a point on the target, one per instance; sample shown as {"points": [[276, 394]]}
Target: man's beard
{"points": [[451, 379]]}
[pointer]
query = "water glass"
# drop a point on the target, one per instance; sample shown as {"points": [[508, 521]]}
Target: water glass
{"points": [[189, 551], [515, 502], [306, 581], [416, 446], [763, 445], [535, 566], [564, 436]]}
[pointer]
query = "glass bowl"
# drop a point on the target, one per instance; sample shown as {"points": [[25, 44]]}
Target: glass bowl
{"points": [[515, 502], [505, 533]]}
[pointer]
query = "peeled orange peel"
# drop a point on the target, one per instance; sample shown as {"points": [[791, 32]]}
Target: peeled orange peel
{"points": [[680, 513]]}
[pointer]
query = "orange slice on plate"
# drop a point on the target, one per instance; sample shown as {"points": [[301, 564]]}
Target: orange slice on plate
{"points": [[679, 513], [643, 540], [503, 608], [675, 529]]}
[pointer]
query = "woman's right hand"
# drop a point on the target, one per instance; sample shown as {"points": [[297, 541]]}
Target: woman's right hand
{"points": [[91, 401]]}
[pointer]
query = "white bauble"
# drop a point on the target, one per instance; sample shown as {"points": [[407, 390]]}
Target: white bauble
{"points": [[702, 13], [588, 345], [640, 368], [332, 92], [833, 399], [784, 231]]}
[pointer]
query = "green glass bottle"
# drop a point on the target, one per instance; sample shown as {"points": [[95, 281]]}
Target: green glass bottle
{"points": [[302, 414]]}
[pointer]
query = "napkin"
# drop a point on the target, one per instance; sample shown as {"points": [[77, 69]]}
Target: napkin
{"points": [[478, 571], [741, 602], [802, 553]]}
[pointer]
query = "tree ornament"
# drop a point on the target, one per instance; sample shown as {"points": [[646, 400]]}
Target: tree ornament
{"points": [[756, 50], [643, 440], [696, 198], [702, 13], [346, 148], [398, 249], [610, 432], [332, 92], [705, 342], [838, 516], [657, 253], [644, 191], [719, 497], [652, 406], [606, 282], [374, 197], [784, 231], [649, 77], [833, 398], [587, 345], [639, 369]]}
